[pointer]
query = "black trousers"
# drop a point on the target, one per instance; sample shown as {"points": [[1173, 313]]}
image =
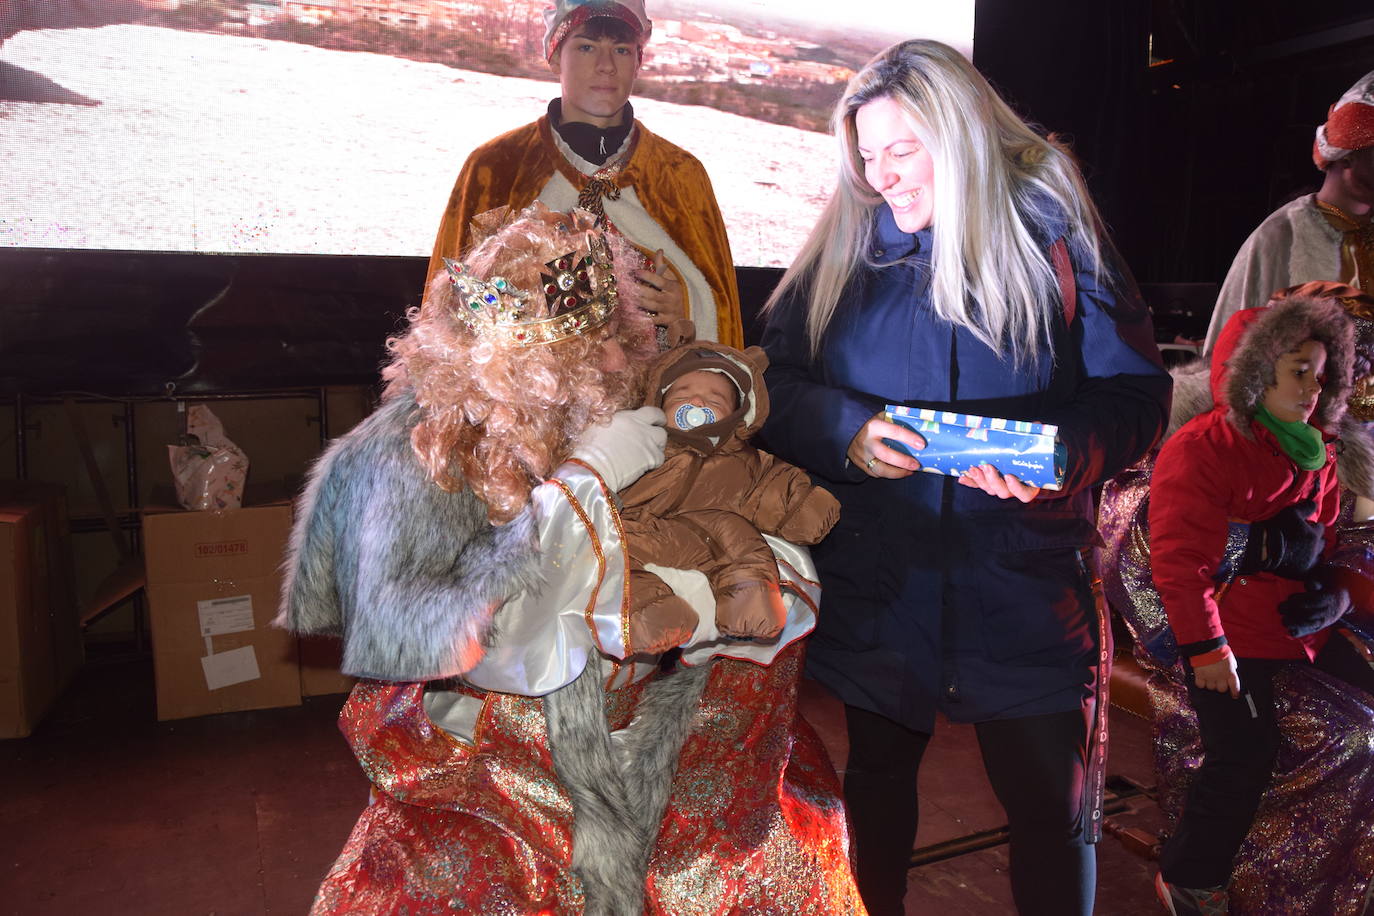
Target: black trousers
{"points": [[1240, 739], [1038, 769]]}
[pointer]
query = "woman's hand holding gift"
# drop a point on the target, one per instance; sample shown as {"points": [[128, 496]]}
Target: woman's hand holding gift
{"points": [[869, 452]]}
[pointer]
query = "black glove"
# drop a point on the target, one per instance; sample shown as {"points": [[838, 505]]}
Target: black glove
{"points": [[1322, 603], [1286, 545]]}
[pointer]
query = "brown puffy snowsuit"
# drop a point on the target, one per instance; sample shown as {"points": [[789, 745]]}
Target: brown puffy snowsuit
{"points": [[706, 506]]}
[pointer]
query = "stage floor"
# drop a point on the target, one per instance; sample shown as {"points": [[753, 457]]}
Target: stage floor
{"points": [[108, 811]]}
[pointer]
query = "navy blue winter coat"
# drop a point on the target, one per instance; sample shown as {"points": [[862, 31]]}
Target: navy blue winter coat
{"points": [[937, 595]]}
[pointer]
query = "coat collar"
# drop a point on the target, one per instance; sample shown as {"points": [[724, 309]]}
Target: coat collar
{"points": [[890, 244]]}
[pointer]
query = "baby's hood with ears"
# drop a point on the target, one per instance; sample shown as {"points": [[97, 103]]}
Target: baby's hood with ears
{"points": [[743, 367]]}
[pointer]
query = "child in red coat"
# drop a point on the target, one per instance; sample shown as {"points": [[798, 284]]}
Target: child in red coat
{"points": [[1254, 454]]}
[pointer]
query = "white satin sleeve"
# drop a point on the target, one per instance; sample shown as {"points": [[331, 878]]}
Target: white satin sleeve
{"points": [[542, 639], [801, 595]]}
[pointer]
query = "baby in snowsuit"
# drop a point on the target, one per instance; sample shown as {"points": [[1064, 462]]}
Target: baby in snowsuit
{"points": [[708, 505]]}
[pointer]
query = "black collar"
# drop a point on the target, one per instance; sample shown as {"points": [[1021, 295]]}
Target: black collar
{"points": [[595, 144]]}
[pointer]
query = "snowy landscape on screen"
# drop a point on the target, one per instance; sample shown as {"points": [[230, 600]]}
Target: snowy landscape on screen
{"points": [[219, 143]]}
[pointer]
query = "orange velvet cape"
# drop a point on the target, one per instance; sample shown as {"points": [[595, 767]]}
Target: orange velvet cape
{"points": [[671, 184]]}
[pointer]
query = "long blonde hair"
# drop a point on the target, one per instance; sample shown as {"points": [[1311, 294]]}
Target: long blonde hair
{"points": [[994, 178]]}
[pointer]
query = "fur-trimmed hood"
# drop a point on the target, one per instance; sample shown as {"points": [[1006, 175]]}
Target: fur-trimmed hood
{"points": [[1195, 384], [1355, 456], [1252, 342]]}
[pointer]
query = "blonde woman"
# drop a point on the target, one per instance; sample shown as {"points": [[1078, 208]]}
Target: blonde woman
{"points": [[959, 264]]}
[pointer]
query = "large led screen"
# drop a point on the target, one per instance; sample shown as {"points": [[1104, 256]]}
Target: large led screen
{"points": [[338, 126]]}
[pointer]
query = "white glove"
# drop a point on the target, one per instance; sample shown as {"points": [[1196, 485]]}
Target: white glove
{"points": [[623, 449]]}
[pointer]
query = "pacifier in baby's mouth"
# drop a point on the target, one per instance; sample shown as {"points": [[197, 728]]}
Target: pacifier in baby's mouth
{"points": [[690, 416]]}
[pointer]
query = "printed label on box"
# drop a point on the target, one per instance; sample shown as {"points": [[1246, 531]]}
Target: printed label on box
{"points": [[228, 668], [225, 615], [217, 549]]}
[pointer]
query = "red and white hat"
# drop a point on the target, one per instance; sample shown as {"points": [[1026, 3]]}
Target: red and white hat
{"points": [[563, 16], [1349, 124]]}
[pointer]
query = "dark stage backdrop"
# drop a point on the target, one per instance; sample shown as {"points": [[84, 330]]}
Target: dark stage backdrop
{"points": [[1193, 119], [145, 323], [219, 195]]}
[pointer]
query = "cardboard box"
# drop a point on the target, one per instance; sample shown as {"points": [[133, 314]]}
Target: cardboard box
{"points": [[27, 668], [214, 581], [40, 637], [320, 659]]}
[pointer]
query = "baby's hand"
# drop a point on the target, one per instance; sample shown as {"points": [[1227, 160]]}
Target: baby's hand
{"points": [[750, 610], [662, 625]]}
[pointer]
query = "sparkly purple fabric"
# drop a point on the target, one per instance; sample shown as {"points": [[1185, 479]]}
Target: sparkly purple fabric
{"points": [[1310, 851]]}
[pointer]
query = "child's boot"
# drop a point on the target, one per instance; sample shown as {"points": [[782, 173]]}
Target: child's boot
{"points": [[1191, 901]]}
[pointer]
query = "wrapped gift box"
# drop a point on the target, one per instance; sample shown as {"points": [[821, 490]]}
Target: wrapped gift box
{"points": [[955, 442]]}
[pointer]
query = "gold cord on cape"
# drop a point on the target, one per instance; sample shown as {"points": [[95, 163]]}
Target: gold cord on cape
{"points": [[1357, 246], [598, 187]]}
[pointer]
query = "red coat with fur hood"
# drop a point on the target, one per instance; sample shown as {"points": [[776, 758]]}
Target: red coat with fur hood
{"points": [[1223, 465]]}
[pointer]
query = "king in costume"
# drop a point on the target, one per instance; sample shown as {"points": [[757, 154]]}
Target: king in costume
{"points": [[525, 757], [1312, 239]]}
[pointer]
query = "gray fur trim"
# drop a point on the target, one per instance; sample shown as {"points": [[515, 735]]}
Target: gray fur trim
{"points": [[608, 841], [1192, 393], [1283, 327], [619, 793], [409, 574], [648, 754], [1355, 462]]}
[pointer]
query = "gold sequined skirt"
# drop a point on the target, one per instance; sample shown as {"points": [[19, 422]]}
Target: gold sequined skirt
{"points": [[754, 822]]}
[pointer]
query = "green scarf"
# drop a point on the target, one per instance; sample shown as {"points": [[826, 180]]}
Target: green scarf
{"points": [[1300, 441]]}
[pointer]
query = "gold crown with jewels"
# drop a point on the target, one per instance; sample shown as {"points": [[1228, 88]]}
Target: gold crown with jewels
{"points": [[579, 296]]}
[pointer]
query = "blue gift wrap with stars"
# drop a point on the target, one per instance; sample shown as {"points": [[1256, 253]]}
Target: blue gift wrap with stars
{"points": [[955, 442]]}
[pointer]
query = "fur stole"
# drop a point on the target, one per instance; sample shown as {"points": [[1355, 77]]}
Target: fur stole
{"points": [[1192, 394], [408, 574], [619, 790]]}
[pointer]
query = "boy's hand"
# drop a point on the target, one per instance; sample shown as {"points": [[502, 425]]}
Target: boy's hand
{"points": [[1317, 607], [660, 293], [1219, 676]]}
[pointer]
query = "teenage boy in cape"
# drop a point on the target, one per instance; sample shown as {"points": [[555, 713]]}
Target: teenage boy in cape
{"points": [[588, 151]]}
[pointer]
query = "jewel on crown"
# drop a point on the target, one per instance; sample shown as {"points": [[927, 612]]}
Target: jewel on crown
{"points": [[579, 295]]}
